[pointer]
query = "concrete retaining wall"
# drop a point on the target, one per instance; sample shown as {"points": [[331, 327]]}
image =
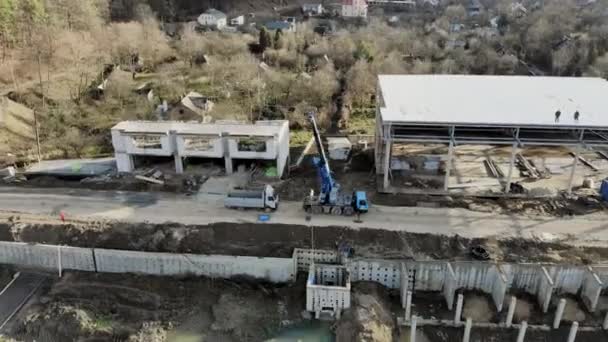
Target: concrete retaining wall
{"points": [[592, 289], [221, 266], [46, 256], [484, 277], [303, 258], [387, 273], [117, 261]]}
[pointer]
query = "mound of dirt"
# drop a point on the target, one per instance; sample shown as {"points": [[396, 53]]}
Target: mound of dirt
{"points": [[369, 319], [125, 307]]}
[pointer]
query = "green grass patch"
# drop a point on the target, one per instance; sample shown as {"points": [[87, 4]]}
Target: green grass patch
{"points": [[299, 137]]}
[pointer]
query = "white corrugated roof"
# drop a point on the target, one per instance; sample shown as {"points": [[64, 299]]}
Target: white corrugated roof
{"points": [[494, 100]]}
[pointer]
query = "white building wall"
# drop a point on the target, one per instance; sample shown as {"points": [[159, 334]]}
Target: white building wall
{"points": [[166, 149], [270, 153], [216, 149]]}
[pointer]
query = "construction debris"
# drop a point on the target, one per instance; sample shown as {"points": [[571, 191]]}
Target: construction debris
{"points": [[527, 169], [150, 180], [585, 161]]}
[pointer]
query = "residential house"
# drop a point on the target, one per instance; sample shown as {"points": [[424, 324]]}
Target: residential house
{"points": [[212, 18], [238, 21], [474, 8], [284, 26], [354, 8], [193, 106], [312, 10]]}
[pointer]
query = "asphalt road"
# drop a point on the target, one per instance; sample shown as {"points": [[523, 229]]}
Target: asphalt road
{"points": [[17, 294], [204, 209]]}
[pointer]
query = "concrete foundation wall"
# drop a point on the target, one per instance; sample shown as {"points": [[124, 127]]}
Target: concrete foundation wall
{"points": [[387, 273], [117, 261], [272, 269], [591, 289], [567, 279], [323, 294], [46, 256], [303, 258], [426, 276], [484, 277]]}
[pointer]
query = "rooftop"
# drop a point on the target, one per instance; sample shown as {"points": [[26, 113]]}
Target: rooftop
{"points": [[215, 13], [259, 128], [483, 101]]}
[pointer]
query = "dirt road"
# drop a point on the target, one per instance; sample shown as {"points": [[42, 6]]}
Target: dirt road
{"points": [[206, 209]]}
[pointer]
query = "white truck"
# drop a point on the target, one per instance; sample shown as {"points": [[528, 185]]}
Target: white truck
{"points": [[260, 198]]}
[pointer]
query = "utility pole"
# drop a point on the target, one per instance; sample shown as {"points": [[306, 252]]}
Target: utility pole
{"points": [[43, 106]]}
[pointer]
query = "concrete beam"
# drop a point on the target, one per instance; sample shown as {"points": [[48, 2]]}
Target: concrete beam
{"points": [[386, 164], [458, 313], [573, 331], [511, 166], [559, 313], [522, 331], [408, 305], [511, 312], [413, 329], [448, 166], [467, 330], [573, 171]]}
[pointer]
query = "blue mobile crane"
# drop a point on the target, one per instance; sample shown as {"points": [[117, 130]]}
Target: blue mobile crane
{"points": [[330, 200]]}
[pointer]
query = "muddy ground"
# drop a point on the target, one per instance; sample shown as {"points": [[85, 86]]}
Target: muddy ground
{"points": [[125, 307], [133, 308], [6, 275], [279, 240]]}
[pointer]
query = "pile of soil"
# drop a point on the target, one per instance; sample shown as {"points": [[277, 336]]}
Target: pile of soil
{"points": [[370, 318], [123, 307]]}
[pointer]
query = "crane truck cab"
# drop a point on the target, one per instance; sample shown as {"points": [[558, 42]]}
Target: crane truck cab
{"points": [[360, 204]]}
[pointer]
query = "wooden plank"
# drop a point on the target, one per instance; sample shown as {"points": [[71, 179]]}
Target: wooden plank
{"points": [[150, 180], [585, 161], [602, 154]]}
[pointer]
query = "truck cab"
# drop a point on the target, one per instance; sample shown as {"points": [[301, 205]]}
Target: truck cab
{"points": [[271, 200], [360, 204]]}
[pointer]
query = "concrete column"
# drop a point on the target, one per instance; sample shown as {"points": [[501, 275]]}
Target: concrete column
{"points": [[413, 329], [59, 267], [573, 331], [522, 331], [448, 166], [575, 163], [511, 311], [559, 313], [179, 164], [459, 303], [511, 165], [386, 164], [408, 305], [228, 165], [338, 313], [467, 330], [605, 324]]}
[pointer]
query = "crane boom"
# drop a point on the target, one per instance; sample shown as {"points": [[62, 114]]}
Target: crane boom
{"points": [[328, 184]]}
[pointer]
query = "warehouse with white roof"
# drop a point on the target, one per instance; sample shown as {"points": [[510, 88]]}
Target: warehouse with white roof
{"points": [[488, 110]]}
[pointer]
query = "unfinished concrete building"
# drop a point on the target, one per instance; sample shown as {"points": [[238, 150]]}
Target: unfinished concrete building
{"points": [[230, 141], [438, 134]]}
